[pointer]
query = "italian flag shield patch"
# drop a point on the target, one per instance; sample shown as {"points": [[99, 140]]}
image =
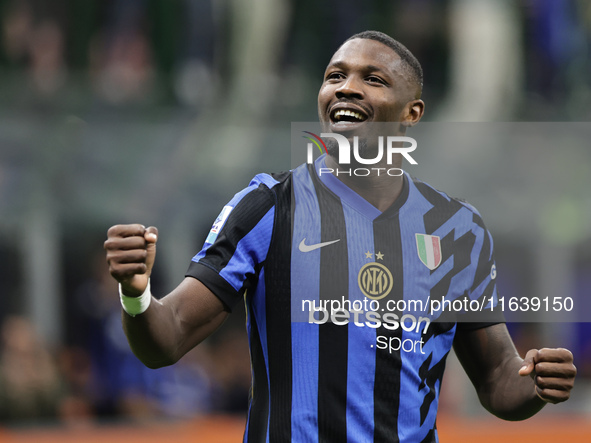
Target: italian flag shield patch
{"points": [[429, 249]]}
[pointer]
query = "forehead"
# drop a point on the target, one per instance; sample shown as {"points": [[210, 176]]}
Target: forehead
{"points": [[366, 52]]}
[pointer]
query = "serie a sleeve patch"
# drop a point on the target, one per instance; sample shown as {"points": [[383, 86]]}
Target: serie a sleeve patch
{"points": [[218, 224]]}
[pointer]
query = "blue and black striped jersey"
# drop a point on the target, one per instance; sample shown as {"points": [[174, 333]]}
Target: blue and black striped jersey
{"points": [[346, 341]]}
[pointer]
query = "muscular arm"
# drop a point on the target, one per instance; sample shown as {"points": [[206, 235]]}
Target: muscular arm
{"points": [[174, 325], [508, 386], [170, 327]]}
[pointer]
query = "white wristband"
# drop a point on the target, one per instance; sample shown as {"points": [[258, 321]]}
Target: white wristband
{"points": [[136, 305]]}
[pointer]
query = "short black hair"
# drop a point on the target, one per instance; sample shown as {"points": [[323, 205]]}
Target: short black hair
{"points": [[407, 57]]}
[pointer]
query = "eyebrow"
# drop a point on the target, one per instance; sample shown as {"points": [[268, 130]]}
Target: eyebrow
{"points": [[343, 64]]}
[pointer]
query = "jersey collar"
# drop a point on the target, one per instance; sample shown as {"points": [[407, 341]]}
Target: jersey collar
{"points": [[353, 199]]}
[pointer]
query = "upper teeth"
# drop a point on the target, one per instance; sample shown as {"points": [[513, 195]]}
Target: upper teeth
{"points": [[342, 112]]}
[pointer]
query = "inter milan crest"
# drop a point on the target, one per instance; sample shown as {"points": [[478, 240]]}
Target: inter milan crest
{"points": [[375, 280], [429, 250]]}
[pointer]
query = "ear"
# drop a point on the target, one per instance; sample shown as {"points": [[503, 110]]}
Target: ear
{"points": [[413, 112]]}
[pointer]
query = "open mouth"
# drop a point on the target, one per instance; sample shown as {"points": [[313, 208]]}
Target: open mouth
{"points": [[347, 115]]}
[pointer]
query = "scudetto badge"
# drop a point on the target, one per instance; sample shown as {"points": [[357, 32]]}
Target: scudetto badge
{"points": [[429, 250], [375, 280]]}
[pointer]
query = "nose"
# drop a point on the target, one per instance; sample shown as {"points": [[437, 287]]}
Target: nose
{"points": [[350, 88]]}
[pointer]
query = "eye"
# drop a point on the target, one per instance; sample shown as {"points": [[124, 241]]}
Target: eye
{"points": [[335, 75], [375, 80]]}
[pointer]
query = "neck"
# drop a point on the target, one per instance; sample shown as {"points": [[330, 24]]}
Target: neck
{"points": [[378, 188]]}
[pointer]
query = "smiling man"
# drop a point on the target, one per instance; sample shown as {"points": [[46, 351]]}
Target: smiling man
{"points": [[333, 270], [363, 84]]}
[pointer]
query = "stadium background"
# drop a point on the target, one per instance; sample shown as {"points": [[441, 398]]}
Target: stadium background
{"points": [[157, 111]]}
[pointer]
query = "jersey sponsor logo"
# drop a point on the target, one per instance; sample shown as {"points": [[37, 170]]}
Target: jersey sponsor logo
{"points": [[375, 280], [307, 248], [218, 224], [429, 250], [493, 272]]}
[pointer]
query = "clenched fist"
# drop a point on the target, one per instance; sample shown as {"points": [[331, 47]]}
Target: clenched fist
{"points": [[131, 250], [553, 372]]}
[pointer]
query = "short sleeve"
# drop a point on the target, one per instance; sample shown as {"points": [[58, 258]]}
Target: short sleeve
{"points": [[237, 244]]}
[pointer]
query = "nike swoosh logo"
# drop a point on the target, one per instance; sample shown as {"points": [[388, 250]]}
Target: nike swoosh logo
{"points": [[307, 248]]}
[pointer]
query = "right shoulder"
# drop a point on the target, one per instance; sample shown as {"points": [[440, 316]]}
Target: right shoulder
{"points": [[264, 186], [261, 195], [259, 187], [271, 181]]}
